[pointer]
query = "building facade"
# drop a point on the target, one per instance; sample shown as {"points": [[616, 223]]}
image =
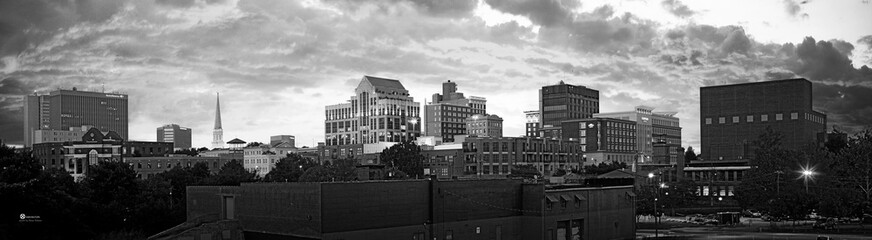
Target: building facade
{"points": [[148, 167], [496, 156], [380, 111], [262, 159], [63, 109], [563, 102], [489, 125], [173, 133], [532, 123], [414, 209], [733, 116], [445, 116], [652, 128], [77, 157], [603, 139], [48, 135]]}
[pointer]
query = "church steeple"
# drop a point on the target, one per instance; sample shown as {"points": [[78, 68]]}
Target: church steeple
{"points": [[218, 132]]}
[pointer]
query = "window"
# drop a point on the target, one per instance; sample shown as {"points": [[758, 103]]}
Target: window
{"points": [[722, 120], [794, 116], [779, 117], [735, 119], [750, 118], [764, 117], [708, 120]]}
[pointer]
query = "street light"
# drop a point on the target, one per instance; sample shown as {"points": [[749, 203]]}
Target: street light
{"points": [[807, 173], [656, 217]]}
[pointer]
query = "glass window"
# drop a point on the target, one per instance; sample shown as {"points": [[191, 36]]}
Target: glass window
{"points": [[750, 118], [708, 120], [794, 116], [735, 119], [764, 117], [779, 117], [722, 120]]}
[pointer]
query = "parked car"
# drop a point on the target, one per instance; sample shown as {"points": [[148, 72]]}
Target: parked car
{"points": [[751, 213], [823, 238], [770, 218], [828, 223]]}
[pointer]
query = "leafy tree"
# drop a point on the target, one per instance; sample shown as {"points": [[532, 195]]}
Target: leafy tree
{"points": [[17, 167], [690, 155], [111, 181], [189, 152], [233, 173], [202, 149], [604, 167], [254, 144], [404, 156], [850, 183], [340, 170], [289, 169]]}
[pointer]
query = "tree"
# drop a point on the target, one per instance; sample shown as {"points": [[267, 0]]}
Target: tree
{"points": [[289, 169], [604, 167], [202, 149], [17, 167], [526, 171], [850, 178], [110, 182], [404, 156], [189, 151], [233, 173], [254, 144], [340, 170], [690, 155]]}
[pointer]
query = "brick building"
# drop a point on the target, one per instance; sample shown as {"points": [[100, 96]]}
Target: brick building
{"points": [[495, 156], [412, 209], [147, 167], [733, 116], [563, 102], [445, 115]]}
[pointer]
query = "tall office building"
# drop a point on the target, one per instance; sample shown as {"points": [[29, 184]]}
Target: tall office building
{"points": [[178, 135], [445, 116], [380, 111], [563, 102], [218, 131], [532, 125], [63, 109], [651, 127], [733, 116]]}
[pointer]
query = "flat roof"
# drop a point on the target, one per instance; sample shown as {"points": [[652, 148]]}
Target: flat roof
{"points": [[759, 82]]}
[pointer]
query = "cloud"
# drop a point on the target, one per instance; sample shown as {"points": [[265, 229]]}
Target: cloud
{"points": [[736, 42], [821, 60], [443, 8], [547, 13], [677, 8], [791, 7]]}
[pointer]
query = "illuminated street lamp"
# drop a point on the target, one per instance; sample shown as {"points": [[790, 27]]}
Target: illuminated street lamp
{"points": [[807, 173]]}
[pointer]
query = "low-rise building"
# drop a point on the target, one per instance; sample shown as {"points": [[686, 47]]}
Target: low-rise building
{"points": [[77, 157], [412, 209], [147, 167], [489, 125]]}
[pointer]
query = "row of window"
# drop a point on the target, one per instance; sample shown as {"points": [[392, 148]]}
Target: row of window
{"points": [[752, 118]]}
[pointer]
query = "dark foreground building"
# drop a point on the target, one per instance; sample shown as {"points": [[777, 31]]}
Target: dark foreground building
{"points": [[413, 209], [733, 116]]}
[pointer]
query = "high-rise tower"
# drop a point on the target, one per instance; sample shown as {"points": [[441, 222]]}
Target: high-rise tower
{"points": [[65, 109], [218, 132]]}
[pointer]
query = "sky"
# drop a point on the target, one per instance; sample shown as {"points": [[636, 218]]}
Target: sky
{"points": [[277, 63]]}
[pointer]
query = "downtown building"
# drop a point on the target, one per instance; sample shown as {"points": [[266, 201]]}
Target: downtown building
{"points": [[381, 110], [65, 109], [446, 115], [603, 140], [561, 102], [733, 116], [173, 133], [489, 125], [660, 129], [532, 123]]}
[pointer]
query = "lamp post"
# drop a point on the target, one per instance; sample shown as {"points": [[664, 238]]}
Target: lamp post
{"points": [[656, 217]]}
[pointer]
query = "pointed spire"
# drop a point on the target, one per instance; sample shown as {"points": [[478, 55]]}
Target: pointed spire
{"points": [[218, 110]]}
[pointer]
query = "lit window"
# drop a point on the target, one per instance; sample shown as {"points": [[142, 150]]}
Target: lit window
{"points": [[708, 120], [794, 116], [764, 117], [735, 119], [722, 120], [779, 117], [750, 118]]}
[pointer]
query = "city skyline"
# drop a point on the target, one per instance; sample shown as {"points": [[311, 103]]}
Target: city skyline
{"points": [[278, 64]]}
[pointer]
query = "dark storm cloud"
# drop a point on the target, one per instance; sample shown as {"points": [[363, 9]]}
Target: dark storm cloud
{"points": [[547, 13], [675, 34], [25, 22], [822, 61], [677, 8], [847, 107]]}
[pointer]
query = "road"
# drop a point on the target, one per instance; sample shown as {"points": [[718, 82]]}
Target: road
{"points": [[710, 233]]}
